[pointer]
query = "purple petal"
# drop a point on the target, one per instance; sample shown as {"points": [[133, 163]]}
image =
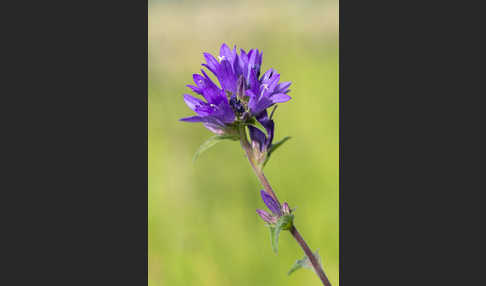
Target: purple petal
{"points": [[205, 119], [251, 63], [211, 123], [227, 54], [199, 80], [254, 83], [259, 59], [257, 106], [192, 119], [243, 63], [209, 90], [226, 76], [210, 69], [267, 75], [283, 87], [225, 113], [217, 129], [212, 62], [257, 136], [237, 67], [251, 94], [273, 82], [195, 89], [271, 204], [280, 97], [266, 216], [193, 102]]}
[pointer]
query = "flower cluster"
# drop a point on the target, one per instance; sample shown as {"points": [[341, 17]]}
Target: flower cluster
{"points": [[243, 94]]}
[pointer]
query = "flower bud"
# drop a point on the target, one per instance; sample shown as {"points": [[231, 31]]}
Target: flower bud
{"points": [[266, 216], [271, 204], [286, 208]]}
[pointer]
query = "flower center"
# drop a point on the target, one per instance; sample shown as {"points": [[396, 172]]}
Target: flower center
{"points": [[237, 106]]}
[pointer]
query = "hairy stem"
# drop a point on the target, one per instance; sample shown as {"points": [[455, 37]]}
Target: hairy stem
{"points": [[266, 185]]}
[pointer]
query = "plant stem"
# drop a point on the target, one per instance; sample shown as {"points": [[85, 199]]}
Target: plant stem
{"points": [[258, 172], [266, 185], [315, 264]]}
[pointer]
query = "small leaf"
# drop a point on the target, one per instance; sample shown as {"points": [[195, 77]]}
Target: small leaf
{"points": [[284, 223], [276, 233], [274, 147], [211, 142], [304, 263], [272, 239], [278, 144], [297, 265]]}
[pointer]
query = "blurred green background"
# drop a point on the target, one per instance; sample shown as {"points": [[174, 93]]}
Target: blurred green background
{"points": [[203, 229]]}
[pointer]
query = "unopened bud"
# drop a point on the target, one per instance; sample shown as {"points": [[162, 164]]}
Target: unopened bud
{"points": [[286, 208], [267, 217], [255, 145]]}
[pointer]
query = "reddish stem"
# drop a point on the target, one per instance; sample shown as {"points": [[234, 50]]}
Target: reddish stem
{"points": [[315, 264], [266, 185]]}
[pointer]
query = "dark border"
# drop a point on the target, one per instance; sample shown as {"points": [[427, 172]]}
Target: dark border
{"points": [[77, 154]]}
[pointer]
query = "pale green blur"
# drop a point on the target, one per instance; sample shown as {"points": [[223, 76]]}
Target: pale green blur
{"points": [[203, 229]]}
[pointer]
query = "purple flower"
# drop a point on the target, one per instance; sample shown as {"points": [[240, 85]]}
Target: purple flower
{"points": [[242, 93]]}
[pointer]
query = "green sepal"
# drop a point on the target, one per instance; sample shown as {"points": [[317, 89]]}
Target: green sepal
{"points": [[211, 142], [255, 123], [274, 147], [283, 223], [304, 263]]}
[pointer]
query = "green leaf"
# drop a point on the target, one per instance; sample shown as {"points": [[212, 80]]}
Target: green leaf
{"points": [[276, 233], [304, 263], [297, 265], [274, 147], [211, 142], [283, 223], [272, 238], [278, 144]]}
